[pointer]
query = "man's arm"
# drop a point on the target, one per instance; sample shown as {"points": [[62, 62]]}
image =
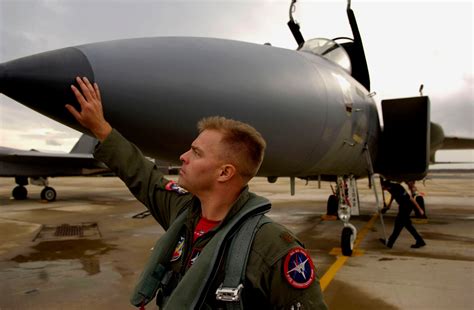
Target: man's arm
{"points": [[417, 205], [390, 202], [140, 175], [282, 270], [386, 207]]}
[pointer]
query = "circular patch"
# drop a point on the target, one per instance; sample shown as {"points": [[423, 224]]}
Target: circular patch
{"points": [[299, 268]]}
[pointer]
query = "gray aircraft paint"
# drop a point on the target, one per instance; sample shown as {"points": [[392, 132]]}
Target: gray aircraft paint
{"points": [[22, 163], [154, 91]]}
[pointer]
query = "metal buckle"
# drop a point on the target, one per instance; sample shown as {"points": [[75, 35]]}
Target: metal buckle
{"points": [[229, 293]]}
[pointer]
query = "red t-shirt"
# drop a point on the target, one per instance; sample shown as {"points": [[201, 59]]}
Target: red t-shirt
{"points": [[203, 226]]}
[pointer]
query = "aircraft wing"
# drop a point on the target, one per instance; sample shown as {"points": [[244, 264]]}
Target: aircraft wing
{"points": [[37, 166], [32, 163], [438, 141], [455, 143], [14, 163]]}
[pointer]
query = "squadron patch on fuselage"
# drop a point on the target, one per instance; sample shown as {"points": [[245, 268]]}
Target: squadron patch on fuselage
{"points": [[299, 268], [172, 186]]}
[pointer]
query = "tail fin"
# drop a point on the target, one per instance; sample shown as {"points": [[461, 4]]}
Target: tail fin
{"points": [[85, 145]]}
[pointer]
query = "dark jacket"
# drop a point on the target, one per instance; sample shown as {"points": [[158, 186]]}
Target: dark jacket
{"points": [[268, 283]]}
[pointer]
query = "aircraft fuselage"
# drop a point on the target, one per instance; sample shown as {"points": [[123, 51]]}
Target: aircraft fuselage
{"points": [[315, 117]]}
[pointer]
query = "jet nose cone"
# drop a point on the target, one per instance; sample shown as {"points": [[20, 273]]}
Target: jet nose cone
{"points": [[42, 81]]}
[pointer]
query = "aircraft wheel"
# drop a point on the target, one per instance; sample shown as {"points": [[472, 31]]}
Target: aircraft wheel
{"points": [[20, 192], [332, 205], [347, 241], [272, 179], [48, 193]]}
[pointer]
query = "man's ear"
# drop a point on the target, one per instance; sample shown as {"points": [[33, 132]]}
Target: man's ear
{"points": [[227, 171]]}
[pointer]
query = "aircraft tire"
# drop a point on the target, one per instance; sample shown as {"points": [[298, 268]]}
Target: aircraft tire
{"points": [[347, 241], [272, 179], [48, 194], [20, 192], [332, 205]]}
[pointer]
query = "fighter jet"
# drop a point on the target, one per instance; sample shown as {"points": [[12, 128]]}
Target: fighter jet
{"points": [[313, 105], [38, 166]]}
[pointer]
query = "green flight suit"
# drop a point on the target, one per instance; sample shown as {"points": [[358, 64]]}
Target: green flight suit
{"points": [[266, 285]]}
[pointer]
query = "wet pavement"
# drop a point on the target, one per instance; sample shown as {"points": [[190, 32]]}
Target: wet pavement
{"points": [[100, 272]]}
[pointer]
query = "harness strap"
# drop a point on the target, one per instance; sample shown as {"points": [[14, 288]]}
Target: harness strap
{"points": [[236, 264], [153, 274], [190, 291]]}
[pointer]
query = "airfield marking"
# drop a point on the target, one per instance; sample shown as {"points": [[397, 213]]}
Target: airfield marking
{"points": [[341, 260]]}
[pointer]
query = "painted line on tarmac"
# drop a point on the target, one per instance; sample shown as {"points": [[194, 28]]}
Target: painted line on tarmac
{"points": [[341, 260]]}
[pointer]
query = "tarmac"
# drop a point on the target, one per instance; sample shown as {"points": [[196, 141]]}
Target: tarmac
{"points": [[39, 270]]}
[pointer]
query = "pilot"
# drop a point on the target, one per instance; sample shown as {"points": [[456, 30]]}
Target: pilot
{"points": [[219, 250], [406, 203]]}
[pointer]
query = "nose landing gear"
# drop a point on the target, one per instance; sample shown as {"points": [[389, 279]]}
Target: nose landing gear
{"points": [[345, 203]]}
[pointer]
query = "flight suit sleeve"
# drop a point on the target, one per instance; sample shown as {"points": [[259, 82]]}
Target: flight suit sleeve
{"points": [[142, 177], [279, 268]]}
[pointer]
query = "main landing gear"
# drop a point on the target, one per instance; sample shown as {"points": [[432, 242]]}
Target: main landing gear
{"points": [[48, 194], [21, 193]]}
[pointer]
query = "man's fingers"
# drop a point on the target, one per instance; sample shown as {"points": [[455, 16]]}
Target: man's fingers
{"points": [[90, 87], [84, 89], [97, 91], [74, 112], [80, 98]]}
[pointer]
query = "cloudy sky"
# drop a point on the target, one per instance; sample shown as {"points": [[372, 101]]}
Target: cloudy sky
{"points": [[407, 43]]}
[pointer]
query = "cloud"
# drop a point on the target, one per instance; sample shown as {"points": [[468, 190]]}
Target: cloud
{"points": [[23, 128], [405, 42], [454, 111]]}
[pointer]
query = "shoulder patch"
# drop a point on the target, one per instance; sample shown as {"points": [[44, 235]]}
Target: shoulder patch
{"points": [[299, 268], [172, 186]]}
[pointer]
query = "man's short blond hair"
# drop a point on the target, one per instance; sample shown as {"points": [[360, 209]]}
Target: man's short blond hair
{"points": [[245, 146]]}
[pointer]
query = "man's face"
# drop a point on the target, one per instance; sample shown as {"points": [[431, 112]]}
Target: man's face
{"points": [[201, 163]]}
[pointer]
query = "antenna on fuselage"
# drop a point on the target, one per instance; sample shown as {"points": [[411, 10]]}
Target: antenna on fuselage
{"points": [[294, 26]]}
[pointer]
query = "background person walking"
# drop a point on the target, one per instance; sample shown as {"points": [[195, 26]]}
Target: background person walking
{"points": [[406, 204]]}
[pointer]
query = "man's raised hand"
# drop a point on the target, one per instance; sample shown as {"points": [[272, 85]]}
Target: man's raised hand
{"points": [[91, 115]]}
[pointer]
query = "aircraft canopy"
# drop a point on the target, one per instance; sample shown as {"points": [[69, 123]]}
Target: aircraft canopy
{"points": [[330, 50]]}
